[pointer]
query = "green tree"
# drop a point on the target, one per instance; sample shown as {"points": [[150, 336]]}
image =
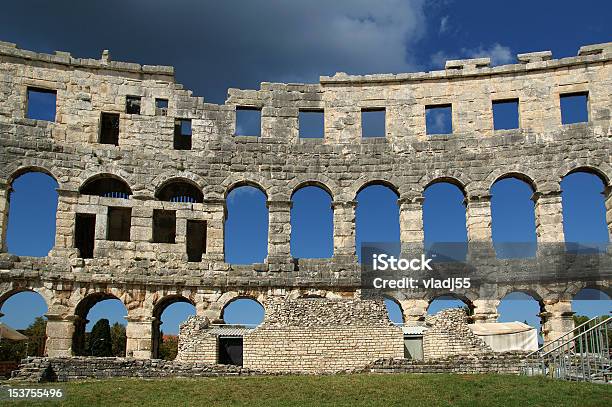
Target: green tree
{"points": [[168, 346], [34, 346], [118, 339], [100, 342]]}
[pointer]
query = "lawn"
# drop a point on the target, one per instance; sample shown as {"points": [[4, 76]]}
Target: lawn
{"points": [[339, 390]]}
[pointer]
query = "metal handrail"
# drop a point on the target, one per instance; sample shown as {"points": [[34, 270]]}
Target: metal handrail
{"points": [[562, 336], [607, 320]]}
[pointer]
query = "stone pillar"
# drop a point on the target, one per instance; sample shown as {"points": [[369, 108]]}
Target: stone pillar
{"points": [[485, 311], [608, 199], [557, 319], [139, 332], [411, 219], [548, 217], [279, 235], [59, 332], [5, 192], [344, 230], [478, 218], [64, 224], [414, 311], [215, 229]]}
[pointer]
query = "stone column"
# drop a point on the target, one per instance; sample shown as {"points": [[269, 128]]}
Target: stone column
{"points": [[548, 217], [215, 229], [608, 197], [485, 311], [478, 219], [414, 311], [557, 319], [5, 191], [344, 230], [139, 332], [279, 235], [411, 219], [60, 331], [64, 224]]}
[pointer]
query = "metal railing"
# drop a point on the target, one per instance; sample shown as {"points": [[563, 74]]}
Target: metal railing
{"points": [[582, 354]]}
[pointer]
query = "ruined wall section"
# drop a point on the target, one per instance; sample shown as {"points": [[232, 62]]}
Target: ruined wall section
{"points": [[449, 335], [319, 335]]}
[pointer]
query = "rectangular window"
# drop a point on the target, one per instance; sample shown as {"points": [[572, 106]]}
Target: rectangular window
{"points": [[118, 224], [311, 124], [132, 104], [161, 107], [109, 128], [373, 122], [164, 226], [506, 114], [248, 121], [84, 234], [41, 104], [574, 108], [196, 240], [230, 350], [182, 134], [439, 119]]}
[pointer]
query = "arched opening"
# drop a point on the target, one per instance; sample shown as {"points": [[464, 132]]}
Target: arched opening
{"points": [[513, 218], [394, 310], [168, 314], [243, 311], [584, 212], [522, 307], [23, 311], [590, 303], [444, 221], [448, 301], [99, 326], [32, 210], [312, 223], [107, 186], [180, 191], [246, 225], [377, 217]]}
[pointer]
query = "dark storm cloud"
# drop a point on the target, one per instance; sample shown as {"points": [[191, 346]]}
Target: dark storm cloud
{"points": [[219, 44]]}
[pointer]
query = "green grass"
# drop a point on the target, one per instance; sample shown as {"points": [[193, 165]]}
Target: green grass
{"points": [[339, 390]]}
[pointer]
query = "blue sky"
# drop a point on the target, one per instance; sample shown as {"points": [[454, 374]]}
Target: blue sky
{"points": [[216, 45]]}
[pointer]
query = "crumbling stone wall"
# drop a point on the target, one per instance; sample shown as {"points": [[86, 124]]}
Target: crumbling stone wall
{"points": [[320, 335], [196, 344], [448, 334]]}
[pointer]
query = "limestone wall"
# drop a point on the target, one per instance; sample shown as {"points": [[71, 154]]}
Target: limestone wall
{"points": [[318, 335], [448, 334]]}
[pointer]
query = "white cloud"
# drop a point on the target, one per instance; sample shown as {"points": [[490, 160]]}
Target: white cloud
{"points": [[444, 26], [499, 54]]}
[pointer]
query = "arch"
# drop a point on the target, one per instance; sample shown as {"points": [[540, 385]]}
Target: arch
{"points": [[245, 183], [446, 180], [455, 177], [449, 300], [17, 169], [25, 309], [516, 175], [315, 184], [179, 190], [246, 225], [82, 309], [106, 185], [312, 223], [521, 306], [379, 182], [259, 314], [31, 213], [395, 312], [158, 310], [601, 169]]}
